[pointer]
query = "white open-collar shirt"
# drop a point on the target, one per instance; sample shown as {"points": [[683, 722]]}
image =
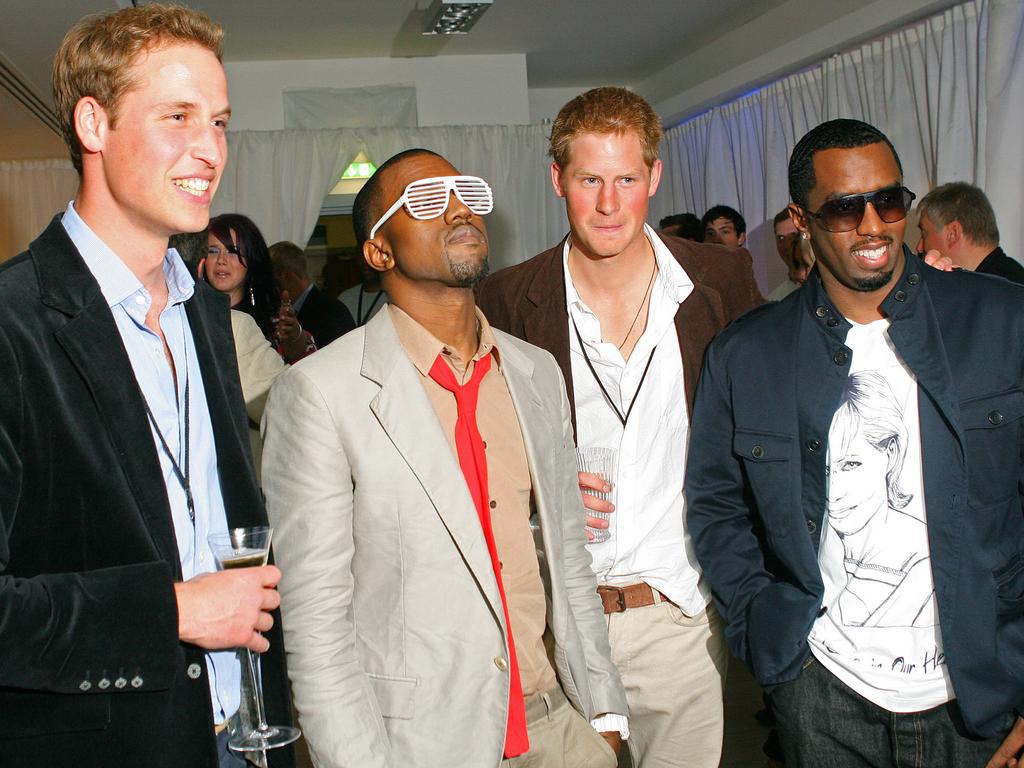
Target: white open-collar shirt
{"points": [[649, 541]]}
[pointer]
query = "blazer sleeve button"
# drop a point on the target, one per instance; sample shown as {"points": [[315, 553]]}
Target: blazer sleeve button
{"points": [[84, 686], [136, 682], [120, 682]]}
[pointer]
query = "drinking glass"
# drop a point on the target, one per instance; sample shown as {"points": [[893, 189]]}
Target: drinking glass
{"points": [[599, 461], [249, 548]]}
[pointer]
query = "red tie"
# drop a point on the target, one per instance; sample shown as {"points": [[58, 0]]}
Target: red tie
{"points": [[473, 462]]}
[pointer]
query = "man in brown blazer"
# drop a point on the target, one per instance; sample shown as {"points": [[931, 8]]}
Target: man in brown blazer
{"points": [[627, 315]]}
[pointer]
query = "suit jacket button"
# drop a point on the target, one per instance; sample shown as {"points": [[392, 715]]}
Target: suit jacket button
{"points": [[136, 682], [811, 527], [995, 418], [84, 686], [120, 682], [820, 311], [103, 684], [757, 452], [194, 671], [840, 357], [913, 278], [822, 611], [813, 445], [500, 663], [900, 295]]}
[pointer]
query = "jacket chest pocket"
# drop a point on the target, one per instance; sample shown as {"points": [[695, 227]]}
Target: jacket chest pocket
{"points": [[992, 429], [767, 461]]}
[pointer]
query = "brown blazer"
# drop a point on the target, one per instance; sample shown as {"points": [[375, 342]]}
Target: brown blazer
{"points": [[528, 301]]}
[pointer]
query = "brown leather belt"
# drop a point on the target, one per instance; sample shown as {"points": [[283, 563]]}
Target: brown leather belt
{"points": [[619, 599]]}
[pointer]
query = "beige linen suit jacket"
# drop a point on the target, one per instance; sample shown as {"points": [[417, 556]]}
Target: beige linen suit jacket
{"points": [[258, 366], [394, 624]]}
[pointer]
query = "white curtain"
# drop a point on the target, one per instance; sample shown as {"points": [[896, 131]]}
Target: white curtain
{"points": [[1004, 103], [948, 91], [280, 178], [369, 106], [31, 193]]}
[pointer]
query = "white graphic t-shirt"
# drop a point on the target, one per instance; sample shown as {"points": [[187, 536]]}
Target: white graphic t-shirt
{"points": [[880, 634]]}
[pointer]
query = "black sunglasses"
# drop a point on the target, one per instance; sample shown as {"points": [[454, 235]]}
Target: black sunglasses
{"points": [[845, 214]]}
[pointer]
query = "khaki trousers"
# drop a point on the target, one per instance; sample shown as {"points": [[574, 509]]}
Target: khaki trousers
{"points": [[560, 737], [673, 668]]}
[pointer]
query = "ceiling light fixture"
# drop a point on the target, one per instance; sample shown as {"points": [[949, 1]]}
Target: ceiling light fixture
{"points": [[454, 17]]}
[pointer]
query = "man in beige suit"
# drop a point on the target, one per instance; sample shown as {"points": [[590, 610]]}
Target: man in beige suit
{"points": [[414, 601]]}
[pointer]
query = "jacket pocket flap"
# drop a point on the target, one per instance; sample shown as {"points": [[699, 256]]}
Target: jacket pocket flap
{"points": [[395, 695], [762, 446], [993, 410], [1009, 580], [30, 713]]}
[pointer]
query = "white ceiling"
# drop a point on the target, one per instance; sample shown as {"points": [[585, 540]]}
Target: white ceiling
{"points": [[669, 46]]}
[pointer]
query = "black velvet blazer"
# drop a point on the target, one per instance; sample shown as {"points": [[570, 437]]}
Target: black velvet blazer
{"points": [[91, 669]]}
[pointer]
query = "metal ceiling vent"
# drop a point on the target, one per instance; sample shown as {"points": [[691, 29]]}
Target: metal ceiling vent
{"points": [[21, 91], [454, 17]]}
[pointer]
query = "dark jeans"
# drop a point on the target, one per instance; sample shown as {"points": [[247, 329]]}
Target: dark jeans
{"points": [[824, 724], [228, 757]]}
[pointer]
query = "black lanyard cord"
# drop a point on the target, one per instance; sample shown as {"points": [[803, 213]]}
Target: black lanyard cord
{"points": [[359, 307], [183, 477], [590, 365]]}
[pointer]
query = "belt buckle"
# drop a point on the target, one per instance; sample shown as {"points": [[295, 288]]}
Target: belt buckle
{"points": [[620, 596]]}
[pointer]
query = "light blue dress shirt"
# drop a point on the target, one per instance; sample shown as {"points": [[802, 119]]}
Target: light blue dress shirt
{"points": [[129, 302]]}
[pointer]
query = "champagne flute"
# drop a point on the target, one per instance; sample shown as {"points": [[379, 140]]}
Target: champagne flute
{"points": [[249, 548]]}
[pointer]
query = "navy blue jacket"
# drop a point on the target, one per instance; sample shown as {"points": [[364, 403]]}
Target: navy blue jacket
{"points": [[756, 478]]}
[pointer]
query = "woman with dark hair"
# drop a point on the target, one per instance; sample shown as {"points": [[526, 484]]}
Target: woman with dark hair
{"points": [[238, 264]]}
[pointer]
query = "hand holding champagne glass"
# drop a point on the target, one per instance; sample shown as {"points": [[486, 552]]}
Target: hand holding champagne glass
{"points": [[599, 462], [249, 548]]}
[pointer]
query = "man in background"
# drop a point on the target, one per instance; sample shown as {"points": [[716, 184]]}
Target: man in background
{"points": [[684, 225], [724, 225], [627, 316], [796, 253], [366, 298], [957, 220], [322, 316]]}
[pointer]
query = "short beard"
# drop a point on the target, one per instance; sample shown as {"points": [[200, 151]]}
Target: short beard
{"points": [[873, 283], [466, 275]]}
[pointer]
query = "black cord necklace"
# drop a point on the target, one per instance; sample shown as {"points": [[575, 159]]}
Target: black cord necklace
{"points": [[654, 271]]}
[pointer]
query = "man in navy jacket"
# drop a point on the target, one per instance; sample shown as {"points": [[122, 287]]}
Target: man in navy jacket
{"points": [[856, 501]]}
